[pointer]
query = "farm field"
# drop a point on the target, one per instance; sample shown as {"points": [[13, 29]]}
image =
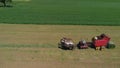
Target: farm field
{"points": [[35, 46], [72, 12], [31, 29]]}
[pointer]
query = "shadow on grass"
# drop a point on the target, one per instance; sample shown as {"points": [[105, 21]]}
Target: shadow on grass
{"points": [[9, 6], [64, 47]]}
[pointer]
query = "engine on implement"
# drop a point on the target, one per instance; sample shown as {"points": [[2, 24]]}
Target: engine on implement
{"points": [[82, 44]]}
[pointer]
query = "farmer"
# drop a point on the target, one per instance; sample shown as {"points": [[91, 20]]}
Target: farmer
{"points": [[82, 44]]}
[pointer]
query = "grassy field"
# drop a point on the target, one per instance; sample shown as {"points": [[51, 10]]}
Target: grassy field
{"points": [[35, 46], [24, 44], [75, 12]]}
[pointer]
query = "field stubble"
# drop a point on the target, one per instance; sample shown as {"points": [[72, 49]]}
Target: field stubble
{"points": [[28, 46]]}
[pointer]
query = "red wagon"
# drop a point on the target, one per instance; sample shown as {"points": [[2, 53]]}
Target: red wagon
{"points": [[100, 41]]}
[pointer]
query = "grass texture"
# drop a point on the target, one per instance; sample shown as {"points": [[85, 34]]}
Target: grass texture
{"points": [[64, 12], [34, 46]]}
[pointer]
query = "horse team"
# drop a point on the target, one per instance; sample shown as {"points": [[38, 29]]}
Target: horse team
{"points": [[98, 42]]}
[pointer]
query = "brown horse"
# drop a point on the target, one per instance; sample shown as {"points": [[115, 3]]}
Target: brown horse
{"points": [[66, 43]]}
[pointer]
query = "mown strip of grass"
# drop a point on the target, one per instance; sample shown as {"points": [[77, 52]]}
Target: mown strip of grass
{"points": [[63, 12], [27, 45]]}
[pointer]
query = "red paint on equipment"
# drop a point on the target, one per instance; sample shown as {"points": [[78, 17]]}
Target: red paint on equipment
{"points": [[101, 42]]}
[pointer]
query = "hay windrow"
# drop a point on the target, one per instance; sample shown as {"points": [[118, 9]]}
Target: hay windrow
{"points": [[34, 46]]}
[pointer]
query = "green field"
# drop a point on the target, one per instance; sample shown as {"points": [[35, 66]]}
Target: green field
{"points": [[24, 44], [72, 12]]}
